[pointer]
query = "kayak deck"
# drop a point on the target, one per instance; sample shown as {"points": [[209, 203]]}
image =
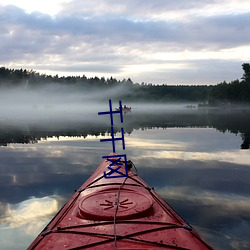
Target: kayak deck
{"points": [[117, 213]]}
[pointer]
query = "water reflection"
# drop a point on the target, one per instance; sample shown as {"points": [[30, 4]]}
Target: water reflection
{"points": [[234, 121], [29, 210], [195, 166], [20, 222]]}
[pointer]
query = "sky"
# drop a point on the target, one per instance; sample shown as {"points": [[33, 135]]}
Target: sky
{"points": [[152, 41]]}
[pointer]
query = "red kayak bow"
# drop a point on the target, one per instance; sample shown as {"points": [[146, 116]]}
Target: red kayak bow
{"points": [[117, 213]]}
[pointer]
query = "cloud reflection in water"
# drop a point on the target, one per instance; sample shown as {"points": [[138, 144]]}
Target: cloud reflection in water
{"points": [[25, 220], [198, 171]]}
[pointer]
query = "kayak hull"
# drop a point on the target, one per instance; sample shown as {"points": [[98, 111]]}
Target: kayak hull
{"points": [[117, 213]]}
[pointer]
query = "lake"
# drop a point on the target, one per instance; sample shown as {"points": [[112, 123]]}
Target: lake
{"points": [[198, 160]]}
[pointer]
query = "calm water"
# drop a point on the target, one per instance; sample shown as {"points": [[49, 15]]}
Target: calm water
{"points": [[193, 158]]}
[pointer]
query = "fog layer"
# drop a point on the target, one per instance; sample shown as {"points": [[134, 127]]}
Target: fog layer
{"points": [[61, 102]]}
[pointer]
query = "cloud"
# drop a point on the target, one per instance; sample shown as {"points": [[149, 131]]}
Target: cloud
{"points": [[29, 210], [115, 30], [233, 204], [143, 10], [26, 220], [115, 38]]}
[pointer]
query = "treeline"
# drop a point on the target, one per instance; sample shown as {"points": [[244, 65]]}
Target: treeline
{"points": [[237, 91], [234, 92]]}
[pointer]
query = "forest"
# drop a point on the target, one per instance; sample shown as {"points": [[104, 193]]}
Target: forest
{"points": [[224, 93]]}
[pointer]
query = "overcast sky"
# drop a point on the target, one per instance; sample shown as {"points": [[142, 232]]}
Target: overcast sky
{"points": [[154, 41]]}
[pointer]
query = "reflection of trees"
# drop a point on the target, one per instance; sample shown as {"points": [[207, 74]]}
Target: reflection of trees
{"points": [[19, 134], [237, 122], [8, 137], [234, 121], [246, 141]]}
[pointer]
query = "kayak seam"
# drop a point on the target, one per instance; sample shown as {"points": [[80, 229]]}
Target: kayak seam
{"points": [[128, 237], [116, 210], [120, 222], [110, 184]]}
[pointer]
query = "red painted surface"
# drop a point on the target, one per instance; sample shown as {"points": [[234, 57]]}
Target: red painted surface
{"points": [[125, 207]]}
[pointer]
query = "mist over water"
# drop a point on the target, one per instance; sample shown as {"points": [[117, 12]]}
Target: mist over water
{"points": [[59, 107], [60, 102], [191, 156], [45, 103]]}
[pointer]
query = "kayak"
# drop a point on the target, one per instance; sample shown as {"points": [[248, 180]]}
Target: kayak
{"points": [[117, 213]]}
